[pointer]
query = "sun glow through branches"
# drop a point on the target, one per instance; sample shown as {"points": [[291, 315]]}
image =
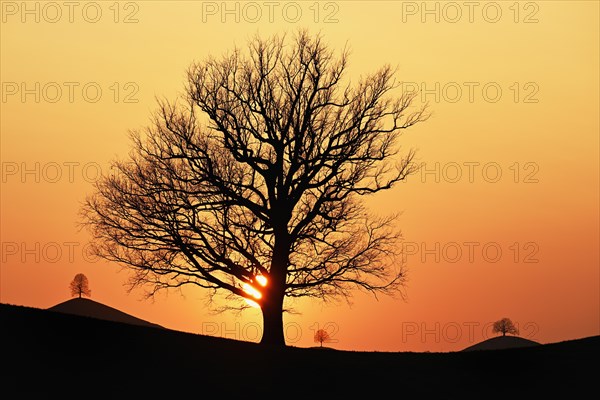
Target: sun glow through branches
{"points": [[262, 280], [252, 291]]}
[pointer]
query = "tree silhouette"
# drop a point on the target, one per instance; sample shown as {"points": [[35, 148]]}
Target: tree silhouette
{"points": [[321, 335], [251, 184], [504, 326], [80, 286]]}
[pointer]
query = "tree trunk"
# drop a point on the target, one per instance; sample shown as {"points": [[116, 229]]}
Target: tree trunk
{"points": [[272, 310], [274, 293]]}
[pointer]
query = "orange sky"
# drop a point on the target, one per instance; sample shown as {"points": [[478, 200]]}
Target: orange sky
{"points": [[503, 221]]}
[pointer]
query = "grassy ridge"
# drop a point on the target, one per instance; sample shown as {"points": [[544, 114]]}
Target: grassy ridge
{"points": [[47, 353]]}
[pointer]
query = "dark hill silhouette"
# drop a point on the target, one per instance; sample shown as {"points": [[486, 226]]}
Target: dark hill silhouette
{"points": [[501, 343], [50, 354], [93, 309]]}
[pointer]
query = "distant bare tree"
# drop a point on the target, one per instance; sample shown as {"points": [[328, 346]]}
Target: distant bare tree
{"points": [[80, 286], [252, 184], [504, 326], [321, 335]]}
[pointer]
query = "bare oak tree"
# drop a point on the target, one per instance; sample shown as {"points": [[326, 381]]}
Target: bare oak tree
{"points": [[80, 286], [251, 184], [321, 335], [504, 326]]}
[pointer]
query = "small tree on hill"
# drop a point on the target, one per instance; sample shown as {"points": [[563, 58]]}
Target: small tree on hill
{"points": [[321, 335], [504, 326], [80, 286]]}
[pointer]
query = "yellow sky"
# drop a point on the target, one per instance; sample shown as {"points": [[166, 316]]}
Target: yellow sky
{"points": [[510, 155]]}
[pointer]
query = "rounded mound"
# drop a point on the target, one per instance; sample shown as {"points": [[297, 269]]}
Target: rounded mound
{"points": [[502, 342]]}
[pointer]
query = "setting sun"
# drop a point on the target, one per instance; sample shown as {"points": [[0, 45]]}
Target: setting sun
{"points": [[251, 291], [262, 280], [252, 303]]}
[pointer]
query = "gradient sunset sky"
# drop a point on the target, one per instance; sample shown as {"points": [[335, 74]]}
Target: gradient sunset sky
{"points": [[502, 220]]}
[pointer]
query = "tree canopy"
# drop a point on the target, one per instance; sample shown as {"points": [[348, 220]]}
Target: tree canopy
{"points": [[80, 286], [321, 336], [252, 182], [504, 326]]}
